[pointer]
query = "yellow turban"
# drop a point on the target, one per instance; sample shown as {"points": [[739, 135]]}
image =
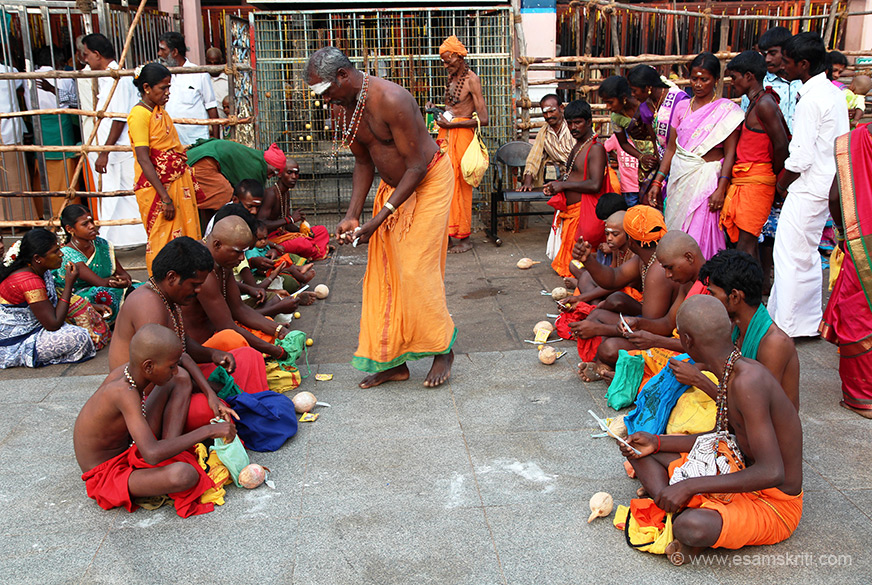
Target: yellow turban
{"points": [[644, 224], [453, 45]]}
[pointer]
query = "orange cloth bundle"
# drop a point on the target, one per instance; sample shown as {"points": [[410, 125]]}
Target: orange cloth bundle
{"points": [[749, 199]]}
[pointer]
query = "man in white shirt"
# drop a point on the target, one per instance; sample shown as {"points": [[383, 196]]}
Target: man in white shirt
{"points": [[821, 116], [13, 174], [191, 94], [115, 170], [220, 83]]}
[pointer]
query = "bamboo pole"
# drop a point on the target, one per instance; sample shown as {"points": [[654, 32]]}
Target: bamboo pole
{"points": [[79, 148], [230, 121], [601, 4], [831, 21], [117, 73], [31, 223], [64, 193]]}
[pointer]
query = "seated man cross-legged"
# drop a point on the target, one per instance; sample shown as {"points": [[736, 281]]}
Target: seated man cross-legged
{"points": [[760, 500]]}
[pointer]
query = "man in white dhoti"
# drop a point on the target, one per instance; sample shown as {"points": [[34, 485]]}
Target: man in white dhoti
{"points": [[114, 169], [821, 116]]}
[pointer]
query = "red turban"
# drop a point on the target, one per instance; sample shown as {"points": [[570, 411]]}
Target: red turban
{"points": [[453, 45], [275, 157]]}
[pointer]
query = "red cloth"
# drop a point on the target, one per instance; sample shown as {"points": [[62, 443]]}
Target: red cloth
{"points": [[250, 372], [587, 348], [23, 287], [592, 228], [311, 248], [847, 319], [107, 483]]}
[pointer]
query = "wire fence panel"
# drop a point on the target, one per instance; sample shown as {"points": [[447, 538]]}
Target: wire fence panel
{"points": [[401, 45]]}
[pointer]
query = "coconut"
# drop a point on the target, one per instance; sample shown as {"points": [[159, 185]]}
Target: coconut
{"points": [[304, 402], [548, 355], [543, 325], [559, 293], [618, 427], [601, 504], [251, 476], [321, 291], [525, 263]]}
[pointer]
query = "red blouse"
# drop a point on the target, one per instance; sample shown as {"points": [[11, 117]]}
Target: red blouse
{"points": [[23, 287]]}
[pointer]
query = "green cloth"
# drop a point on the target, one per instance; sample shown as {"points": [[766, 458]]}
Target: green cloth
{"points": [[220, 377], [236, 161], [628, 376], [757, 328], [57, 130], [294, 344]]}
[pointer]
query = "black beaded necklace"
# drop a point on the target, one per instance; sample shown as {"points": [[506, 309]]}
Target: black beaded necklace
{"points": [[452, 94]]}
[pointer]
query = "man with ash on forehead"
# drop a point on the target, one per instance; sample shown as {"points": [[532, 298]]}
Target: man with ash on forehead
{"points": [[404, 314]]}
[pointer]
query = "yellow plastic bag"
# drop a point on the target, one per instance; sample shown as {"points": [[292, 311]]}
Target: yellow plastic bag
{"points": [[476, 158]]}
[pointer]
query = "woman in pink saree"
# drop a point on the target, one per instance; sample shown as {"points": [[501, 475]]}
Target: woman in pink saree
{"points": [[699, 158]]}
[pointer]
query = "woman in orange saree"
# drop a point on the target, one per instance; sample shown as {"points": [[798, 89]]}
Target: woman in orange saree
{"points": [[166, 190]]}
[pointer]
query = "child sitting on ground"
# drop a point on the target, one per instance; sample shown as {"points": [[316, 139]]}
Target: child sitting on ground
{"points": [[115, 435], [263, 264]]}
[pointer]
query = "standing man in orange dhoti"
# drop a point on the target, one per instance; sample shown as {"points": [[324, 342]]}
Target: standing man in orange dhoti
{"points": [[404, 314], [760, 154], [463, 98]]}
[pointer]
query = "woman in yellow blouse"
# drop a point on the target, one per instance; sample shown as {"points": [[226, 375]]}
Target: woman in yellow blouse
{"points": [[165, 187]]}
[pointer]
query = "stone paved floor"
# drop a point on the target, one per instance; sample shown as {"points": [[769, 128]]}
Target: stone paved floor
{"points": [[484, 480]]}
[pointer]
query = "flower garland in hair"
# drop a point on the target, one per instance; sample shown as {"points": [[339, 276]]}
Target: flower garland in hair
{"points": [[12, 254], [137, 72]]}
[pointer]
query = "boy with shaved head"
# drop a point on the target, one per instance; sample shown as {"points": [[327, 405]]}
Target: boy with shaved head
{"points": [[116, 433], [760, 500]]}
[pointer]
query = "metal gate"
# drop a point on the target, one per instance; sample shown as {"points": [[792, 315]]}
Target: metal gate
{"points": [[401, 45]]}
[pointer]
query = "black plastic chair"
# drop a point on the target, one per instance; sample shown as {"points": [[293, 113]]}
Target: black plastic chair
{"points": [[511, 155]]}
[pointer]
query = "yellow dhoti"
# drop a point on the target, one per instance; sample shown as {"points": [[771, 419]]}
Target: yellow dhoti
{"points": [[405, 315]]}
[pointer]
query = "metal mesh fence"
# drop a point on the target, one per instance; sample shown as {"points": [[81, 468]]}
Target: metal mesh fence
{"points": [[401, 45]]}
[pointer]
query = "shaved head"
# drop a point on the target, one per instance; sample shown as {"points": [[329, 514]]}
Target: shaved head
{"points": [[616, 220], [232, 231], [154, 342], [862, 84], [675, 244], [705, 320], [214, 53]]}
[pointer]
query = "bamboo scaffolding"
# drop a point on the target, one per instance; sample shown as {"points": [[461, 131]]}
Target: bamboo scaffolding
{"points": [[231, 69], [118, 73]]}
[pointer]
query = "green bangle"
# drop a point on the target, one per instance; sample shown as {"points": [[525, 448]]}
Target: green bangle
{"points": [[661, 173]]}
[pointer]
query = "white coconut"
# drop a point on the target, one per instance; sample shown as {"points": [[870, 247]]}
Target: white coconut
{"points": [[321, 291], [304, 402]]}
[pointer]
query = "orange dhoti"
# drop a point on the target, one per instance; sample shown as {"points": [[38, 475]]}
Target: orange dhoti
{"points": [[460, 222], [749, 199], [566, 222], [750, 519], [217, 190], [404, 314]]}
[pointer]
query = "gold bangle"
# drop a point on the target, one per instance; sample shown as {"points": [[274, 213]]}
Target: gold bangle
{"points": [[278, 329], [391, 207]]}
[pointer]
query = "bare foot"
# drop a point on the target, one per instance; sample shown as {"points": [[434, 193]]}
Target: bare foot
{"points": [[570, 283], [440, 371], [679, 554], [306, 298], [862, 412], [460, 247], [396, 374], [605, 372], [642, 492], [588, 372], [301, 274]]}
